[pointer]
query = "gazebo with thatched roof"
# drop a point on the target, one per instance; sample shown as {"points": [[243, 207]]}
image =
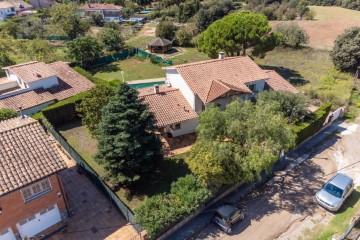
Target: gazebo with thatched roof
{"points": [[159, 45]]}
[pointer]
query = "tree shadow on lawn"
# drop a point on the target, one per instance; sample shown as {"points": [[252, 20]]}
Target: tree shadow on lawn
{"points": [[167, 171], [111, 67], [293, 76]]}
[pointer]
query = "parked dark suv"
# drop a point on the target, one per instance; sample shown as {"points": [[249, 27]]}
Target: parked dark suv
{"points": [[226, 216]]}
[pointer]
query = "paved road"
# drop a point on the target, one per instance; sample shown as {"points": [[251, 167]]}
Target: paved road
{"points": [[286, 207]]}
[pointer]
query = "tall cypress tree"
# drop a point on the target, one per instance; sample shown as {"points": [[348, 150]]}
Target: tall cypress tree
{"points": [[127, 144]]}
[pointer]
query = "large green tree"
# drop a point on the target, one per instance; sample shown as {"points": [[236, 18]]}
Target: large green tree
{"points": [[84, 50], [128, 146], [234, 34], [238, 144], [166, 29], [293, 106], [90, 107], [346, 52], [111, 39]]}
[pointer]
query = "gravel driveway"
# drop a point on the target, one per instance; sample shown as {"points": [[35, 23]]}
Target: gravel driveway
{"points": [[286, 207]]}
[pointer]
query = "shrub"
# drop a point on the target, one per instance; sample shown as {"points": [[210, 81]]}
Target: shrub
{"points": [[184, 37], [346, 52], [160, 212], [7, 114], [291, 35], [62, 111], [166, 29], [308, 129]]}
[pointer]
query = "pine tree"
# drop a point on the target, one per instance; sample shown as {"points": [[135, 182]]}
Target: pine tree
{"points": [[127, 144]]}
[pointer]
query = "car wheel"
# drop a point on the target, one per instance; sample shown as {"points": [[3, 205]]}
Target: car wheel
{"points": [[229, 231]]}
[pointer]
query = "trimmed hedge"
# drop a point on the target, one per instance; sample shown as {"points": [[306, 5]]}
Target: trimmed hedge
{"points": [[62, 111], [307, 129]]}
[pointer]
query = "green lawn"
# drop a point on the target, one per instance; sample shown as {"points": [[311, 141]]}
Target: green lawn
{"points": [[187, 55], [353, 110], [139, 41], [167, 171], [312, 72], [340, 222], [134, 69]]}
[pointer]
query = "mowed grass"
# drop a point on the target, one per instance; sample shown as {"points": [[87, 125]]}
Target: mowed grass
{"points": [[339, 223], [168, 170], [134, 69], [187, 55], [312, 72], [329, 22]]}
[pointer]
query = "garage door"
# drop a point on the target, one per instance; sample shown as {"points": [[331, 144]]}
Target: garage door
{"points": [[7, 234], [39, 222]]}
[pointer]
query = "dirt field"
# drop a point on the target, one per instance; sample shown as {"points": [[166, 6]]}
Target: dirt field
{"points": [[328, 24]]}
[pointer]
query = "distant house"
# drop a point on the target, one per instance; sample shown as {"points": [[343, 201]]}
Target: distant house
{"points": [[7, 10], [190, 88], [20, 5], [35, 85], [32, 199], [42, 3], [160, 45], [109, 12]]}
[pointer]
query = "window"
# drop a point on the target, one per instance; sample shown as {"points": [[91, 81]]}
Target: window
{"points": [[36, 190], [176, 126]]}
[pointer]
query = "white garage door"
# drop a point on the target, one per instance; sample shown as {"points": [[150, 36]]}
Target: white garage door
{"points": [[7, 234], [39, 222]]}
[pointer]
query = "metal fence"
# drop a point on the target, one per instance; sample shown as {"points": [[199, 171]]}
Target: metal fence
{"points": [[94, 177], [158, 59]]}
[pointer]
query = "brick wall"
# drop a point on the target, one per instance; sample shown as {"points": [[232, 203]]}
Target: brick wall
{"points": [[14, 209]]}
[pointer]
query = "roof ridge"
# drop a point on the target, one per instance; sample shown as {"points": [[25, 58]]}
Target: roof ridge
{"points": [[208, 61], [152, 93], [28, 121], [24, 64]]}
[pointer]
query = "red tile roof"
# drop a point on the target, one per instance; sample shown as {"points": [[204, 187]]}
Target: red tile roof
{"points": [[232, 72], [32, 71], [169, 105], [278, 83], [27, 153], [100, 6], [70, 84]]}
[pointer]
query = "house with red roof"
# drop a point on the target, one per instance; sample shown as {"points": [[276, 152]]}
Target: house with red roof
{"points": [[109, 12], [35, 85], [190, 88]]}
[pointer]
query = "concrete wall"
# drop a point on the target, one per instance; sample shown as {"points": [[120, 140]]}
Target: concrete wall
{"points": [[14, 209], [178, 82]]}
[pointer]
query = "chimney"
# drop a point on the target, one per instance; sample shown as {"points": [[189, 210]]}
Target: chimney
{"points": [[156, 89], [221, 55], [21, 113]]}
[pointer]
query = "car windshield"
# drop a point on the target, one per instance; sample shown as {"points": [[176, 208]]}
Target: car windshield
{"points": [[333, 190]]}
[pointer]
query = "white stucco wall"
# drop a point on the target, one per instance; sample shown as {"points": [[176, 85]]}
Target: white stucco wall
{"points": [[260, 85], [8, 85], [44, 83], [178, 82], [188, 126]]}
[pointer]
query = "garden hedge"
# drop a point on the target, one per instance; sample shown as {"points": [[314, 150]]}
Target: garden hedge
{"points": [[307, 129], [62, 111]]}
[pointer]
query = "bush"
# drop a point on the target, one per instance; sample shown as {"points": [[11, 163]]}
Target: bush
{"points": [[308, 129], [160, 212], [7, 114], [166, 29], [291, 35], [346, 52], [62, 111], [184, 37]]}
